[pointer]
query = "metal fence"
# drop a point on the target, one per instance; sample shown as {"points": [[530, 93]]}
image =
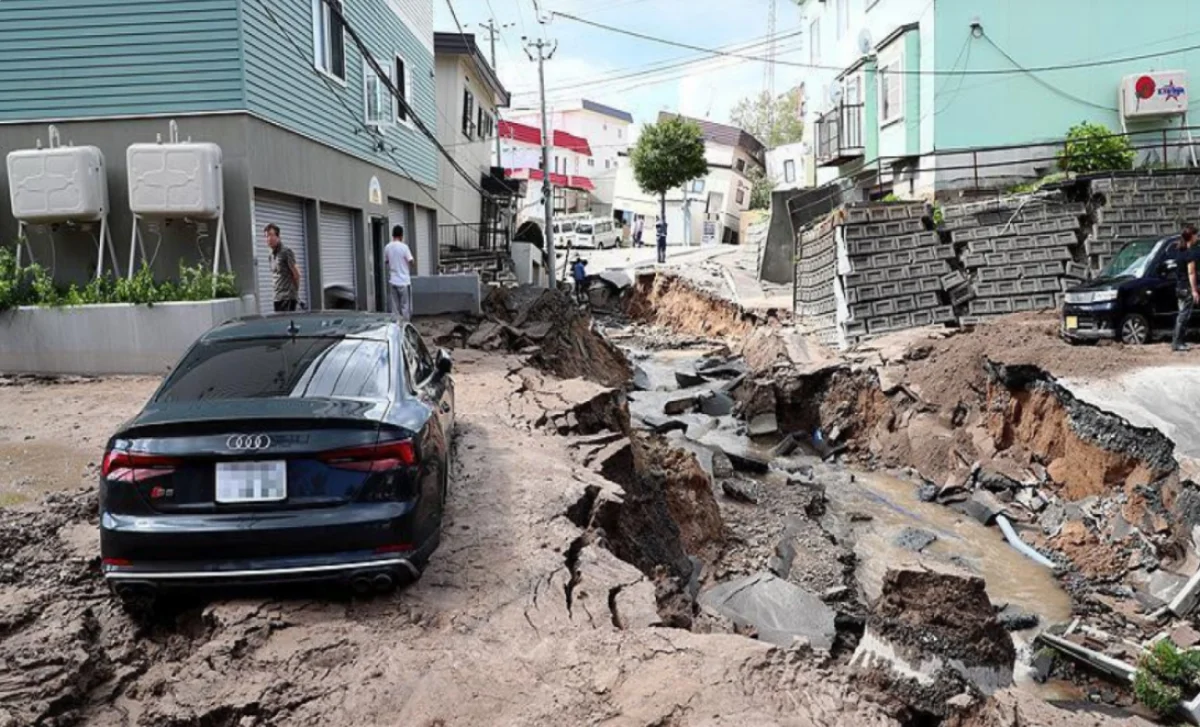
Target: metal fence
{"points": [[840, 133]]}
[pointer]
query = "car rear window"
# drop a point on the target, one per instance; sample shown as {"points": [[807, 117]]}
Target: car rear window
{"points": [[312, 368]]}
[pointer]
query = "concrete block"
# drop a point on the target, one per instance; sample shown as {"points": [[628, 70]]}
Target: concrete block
{"points": [[923, 318], [1021, 303], [981, 247], [435, 295], [905, 304], [972, 260], [943, 314], [953, 280], [1044, 301], [879, 325], [927, 300], [1076, 271], [962, 294], [900, 321]]}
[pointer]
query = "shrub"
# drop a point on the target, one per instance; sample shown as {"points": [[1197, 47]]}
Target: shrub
{"points": [[1166, 675], [32, 285], [1093, 148]]}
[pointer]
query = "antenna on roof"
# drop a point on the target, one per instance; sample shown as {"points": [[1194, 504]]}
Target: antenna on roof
{"points": [[292, 329]]}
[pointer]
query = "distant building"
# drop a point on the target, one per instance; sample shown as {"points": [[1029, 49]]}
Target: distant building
{"points": [[608, 132], [707, 209], [474, 232], [570, 157], [788, 165], [875, 101]]}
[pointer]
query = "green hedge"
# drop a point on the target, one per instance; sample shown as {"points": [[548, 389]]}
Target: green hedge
{"points": [[32, 285]]}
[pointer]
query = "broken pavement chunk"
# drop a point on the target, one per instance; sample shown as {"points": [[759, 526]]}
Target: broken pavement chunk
{"points": [[641, 379], [983, 506], [741, 491], [681, 405], [763, 425], [688, 380], [746, 462], [780, 611], [915, 539], [716, 404]]}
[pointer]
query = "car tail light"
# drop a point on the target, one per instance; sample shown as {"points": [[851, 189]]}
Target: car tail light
{"points": [[395, 548], [126, 466], [381, 457], [116, 562]]}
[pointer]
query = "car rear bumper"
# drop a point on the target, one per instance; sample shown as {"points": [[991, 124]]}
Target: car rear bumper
{"points": [[311, 545]]}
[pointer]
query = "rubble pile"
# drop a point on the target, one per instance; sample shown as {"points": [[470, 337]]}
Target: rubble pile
{"points": [[1136, 207]]}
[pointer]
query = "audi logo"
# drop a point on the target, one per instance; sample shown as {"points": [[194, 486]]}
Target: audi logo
{"points": [[248, 442]]}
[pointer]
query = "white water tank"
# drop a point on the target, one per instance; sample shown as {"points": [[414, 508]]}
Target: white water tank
{"points": [[59, 184], [175, 180]]}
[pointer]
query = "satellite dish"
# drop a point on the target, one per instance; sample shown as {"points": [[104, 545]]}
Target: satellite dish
{"points": [[864, 42]]}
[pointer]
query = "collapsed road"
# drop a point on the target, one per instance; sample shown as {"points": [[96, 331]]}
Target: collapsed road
{"points": [[604, 563]]}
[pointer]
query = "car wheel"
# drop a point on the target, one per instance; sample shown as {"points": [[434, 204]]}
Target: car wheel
{"points": [[1135, 330]]}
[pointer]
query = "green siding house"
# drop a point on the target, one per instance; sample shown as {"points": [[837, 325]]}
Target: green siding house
{"points": [[311, 139]]}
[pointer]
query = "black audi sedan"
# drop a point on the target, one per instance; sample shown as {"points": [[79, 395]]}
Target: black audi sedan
{"points": [[1132, 300], [287, 448]]}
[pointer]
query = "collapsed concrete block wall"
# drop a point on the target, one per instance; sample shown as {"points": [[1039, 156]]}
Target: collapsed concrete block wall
{"points": [[1016, 254], [816, 270]]}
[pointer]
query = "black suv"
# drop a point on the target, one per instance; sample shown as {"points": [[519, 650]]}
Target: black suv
{"points": [[1133, 299]]}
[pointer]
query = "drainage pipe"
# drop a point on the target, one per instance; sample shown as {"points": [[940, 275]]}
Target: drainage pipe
{"points": [[1015, 541]]}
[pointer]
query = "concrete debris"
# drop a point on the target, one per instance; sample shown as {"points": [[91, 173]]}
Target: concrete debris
{"points": [[1185, 636], [741, 490], [786, 446], [722, 468], [1014, 619], [1030, 499], [680, 405], [716, 404], [763, 425], [994, 481], [617, 277], [781, 560], [983, 506], [1105, 664], [1184, 601], [746, 462], [779, 611], [915, 539], [641, 380], [688, 380]]}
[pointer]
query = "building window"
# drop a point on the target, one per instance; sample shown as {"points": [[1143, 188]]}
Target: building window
{"points": [[618, 133], [843, 18], [591, 162], [480, 126], [814, 41], [377, 111], [468, 123], [741, 196], [607, 163], [789, 171], [891, 91], [853, 91], [698, 186], [401, 81], [740, 165], [329, 41]]}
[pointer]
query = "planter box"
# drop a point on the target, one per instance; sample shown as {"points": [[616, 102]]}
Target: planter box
{"points": [[116, 338]]}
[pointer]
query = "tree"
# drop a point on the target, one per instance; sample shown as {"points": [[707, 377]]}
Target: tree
{"points": [[774, 122], [1094, 148], [668, 154], [760, 189]]}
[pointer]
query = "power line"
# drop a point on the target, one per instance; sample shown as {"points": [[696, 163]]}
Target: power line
{"points": [[906, 71], [351, 113], [1045, 84], [647, 71]]}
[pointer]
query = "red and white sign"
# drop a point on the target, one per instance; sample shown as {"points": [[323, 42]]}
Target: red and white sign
{"points": [[1161, 93]]}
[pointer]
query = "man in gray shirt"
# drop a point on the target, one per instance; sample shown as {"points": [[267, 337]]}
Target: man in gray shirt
{"points": [[284, 272]]}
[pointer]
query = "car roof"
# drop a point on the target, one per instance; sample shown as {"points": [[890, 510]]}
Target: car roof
{"points": [[338, 324]]}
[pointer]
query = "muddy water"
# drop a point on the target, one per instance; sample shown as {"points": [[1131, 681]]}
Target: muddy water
{"points": [[962, 544]]}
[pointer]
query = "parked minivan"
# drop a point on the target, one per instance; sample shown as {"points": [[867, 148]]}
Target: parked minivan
{"points": [[598, 233], [1132, 300]]}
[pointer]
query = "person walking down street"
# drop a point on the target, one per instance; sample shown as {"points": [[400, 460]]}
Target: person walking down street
{"points": [[579, 275], [639, 226], [1186, 290], [285, 274], [400, 267], [660, 238]]}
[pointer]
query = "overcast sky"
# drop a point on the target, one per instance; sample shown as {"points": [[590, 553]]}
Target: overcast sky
{"points": [[586, 55]]}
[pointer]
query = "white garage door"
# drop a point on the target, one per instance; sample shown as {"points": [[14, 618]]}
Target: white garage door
{"points": [[401, 213], [337, 248], [288, 214], [423, 236]]}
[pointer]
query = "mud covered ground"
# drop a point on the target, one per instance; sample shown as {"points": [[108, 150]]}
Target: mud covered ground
{"points": [[523, 618]]}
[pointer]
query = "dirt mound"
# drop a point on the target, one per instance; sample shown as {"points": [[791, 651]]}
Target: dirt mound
{"points": [[671, 302], [567, 343]]}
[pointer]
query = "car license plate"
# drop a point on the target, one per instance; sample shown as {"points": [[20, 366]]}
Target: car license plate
{"points": [[1072, 323], [240, 482]]}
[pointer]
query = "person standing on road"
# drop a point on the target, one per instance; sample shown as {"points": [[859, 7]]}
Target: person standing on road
{"points": [[400, 267], [579, 275], [1186, 289], [639, 226], [660, 238], [284, 272]]}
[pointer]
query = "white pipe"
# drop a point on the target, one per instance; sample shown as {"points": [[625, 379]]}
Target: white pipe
{"points": [[1015, 541]]}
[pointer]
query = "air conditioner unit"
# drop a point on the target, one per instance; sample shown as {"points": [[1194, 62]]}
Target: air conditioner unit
{"points": [[1159, 93]]}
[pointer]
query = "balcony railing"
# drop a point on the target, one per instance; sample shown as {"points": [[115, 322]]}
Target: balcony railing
{"points": [[840, 135], [471, 238]]}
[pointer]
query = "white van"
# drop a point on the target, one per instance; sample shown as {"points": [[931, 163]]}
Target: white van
{"points": [[597, 233], [564, 233]]}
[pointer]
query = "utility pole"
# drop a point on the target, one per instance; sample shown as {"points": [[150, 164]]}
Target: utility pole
{"points": [[493, 30], [545, 51]]}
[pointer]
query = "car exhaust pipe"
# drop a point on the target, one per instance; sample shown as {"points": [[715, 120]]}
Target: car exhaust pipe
{"points": [[361, 585], [383, 583]]}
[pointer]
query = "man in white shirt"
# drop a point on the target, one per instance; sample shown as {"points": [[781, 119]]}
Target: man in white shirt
{"points": [[400, 267]]}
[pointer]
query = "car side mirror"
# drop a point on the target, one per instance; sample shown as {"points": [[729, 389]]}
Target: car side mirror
{"points": [[444, 363]]}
